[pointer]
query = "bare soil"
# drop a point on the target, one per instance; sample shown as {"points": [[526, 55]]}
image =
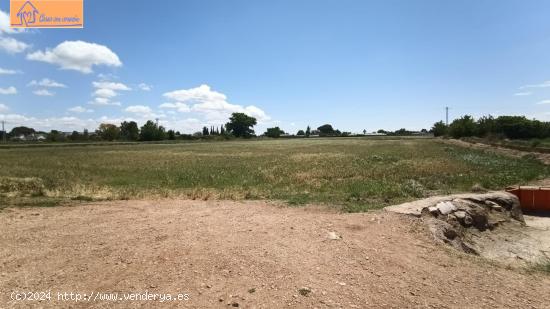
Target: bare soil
{"points": [[247, 254]]}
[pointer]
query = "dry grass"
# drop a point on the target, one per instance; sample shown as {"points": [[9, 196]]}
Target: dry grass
{"points": [[356, 174]]}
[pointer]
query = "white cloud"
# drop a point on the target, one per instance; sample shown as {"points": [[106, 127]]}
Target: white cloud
{"points": [[46, 82], [543, 102], [8, 72], [105, 93], [46, 124], [80, 109], [145, 87], [523, 93], [545, 84], [12, 46], [111, 86], [203, 93], [139, 109], [103, 102], [5, 24], [77, 55], [44, 92], [180, 107], [212, 105], [3, 108], [9, 90]]}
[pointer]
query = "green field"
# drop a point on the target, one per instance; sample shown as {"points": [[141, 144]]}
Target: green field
{"points": [[354, 173]]}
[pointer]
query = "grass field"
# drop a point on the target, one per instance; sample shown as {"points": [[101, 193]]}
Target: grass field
{"points": [[356, 174]]}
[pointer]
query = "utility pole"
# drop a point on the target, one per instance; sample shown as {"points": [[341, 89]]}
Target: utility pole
{"points": [[3, 132], [447, 116]]}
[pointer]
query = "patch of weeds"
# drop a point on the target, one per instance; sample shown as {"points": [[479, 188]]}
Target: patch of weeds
{"points": [[29, 202], [413, 188], [298, 199], [543, 266], [83, 198]]}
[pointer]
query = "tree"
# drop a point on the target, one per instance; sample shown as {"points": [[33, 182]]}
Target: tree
{"points": [[205, 131], [108, 132], [56, 136], [365, 132], [150, 131], [75, 136], [240, 125], [222, 130], [439, 129], [326, 129], [463, 127], [301, 133], [18, 131], [171, 135], [308, 131], [274, 132], [129, 131]]}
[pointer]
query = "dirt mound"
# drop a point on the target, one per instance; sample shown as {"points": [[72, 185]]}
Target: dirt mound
{"points": [[253, 254], [491, 225]]}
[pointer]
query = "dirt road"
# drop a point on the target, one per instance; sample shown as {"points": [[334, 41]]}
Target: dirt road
{"points": [[250, 255]]}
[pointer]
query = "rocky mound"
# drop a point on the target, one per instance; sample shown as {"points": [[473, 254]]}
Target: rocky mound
{"points": [[454, 219]]}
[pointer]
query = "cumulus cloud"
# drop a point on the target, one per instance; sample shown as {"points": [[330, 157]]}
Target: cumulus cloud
{"points": [[12, 46], [139, 109], [47, 124], [105, 91], [3, 108], [77, 55], [145, 87], [9, 90], [543, 102], [103, 102], [111, 86], [211, 104], [44, 92], [180, 107], [80, 109], [8, 72], [46, 82], [5, 24]]}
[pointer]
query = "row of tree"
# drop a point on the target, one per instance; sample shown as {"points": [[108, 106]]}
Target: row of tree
{"points": [[239, 125], [513, 127]]}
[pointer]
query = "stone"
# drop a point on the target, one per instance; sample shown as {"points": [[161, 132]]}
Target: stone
{"points": [[333, 236], [445, 208]]}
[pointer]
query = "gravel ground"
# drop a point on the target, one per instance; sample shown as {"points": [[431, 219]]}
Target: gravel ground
{"points": [[246, 254]]}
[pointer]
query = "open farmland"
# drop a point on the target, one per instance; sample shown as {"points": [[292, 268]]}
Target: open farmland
{"points": [[356, 174]]}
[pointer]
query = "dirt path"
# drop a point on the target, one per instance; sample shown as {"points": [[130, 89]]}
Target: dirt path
{"points": [[251, 255], [543, 157]]}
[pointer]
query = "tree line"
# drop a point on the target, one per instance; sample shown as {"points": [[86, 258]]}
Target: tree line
{"points": [[512, 127]]}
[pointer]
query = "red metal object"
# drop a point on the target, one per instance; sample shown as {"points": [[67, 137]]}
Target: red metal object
{"points": [[532, 198]]}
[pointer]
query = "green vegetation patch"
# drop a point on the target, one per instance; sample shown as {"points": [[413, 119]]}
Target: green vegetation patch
{"points": [[356, 174]]}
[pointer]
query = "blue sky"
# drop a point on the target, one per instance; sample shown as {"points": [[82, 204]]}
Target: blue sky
{"points": [[355, 64]]}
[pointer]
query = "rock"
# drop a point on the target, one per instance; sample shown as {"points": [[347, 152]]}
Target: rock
{"points": [[464, 218], [445, 208], [333, 236], [433, 210], [304, 291]]}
